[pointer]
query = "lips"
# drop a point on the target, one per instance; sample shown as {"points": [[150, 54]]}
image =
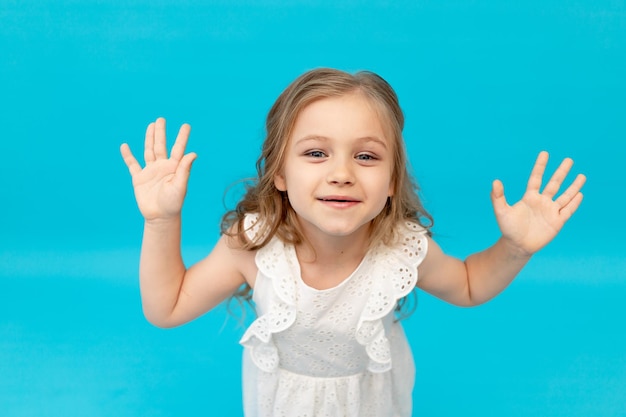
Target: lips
{"points": [[339, 202], [338, 199]]}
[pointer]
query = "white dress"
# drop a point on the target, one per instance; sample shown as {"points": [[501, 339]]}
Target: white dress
{"points": [[335, 352]]}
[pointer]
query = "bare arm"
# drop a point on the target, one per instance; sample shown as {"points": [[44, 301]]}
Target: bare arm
{"points": [[526, 227], [172, 294]]}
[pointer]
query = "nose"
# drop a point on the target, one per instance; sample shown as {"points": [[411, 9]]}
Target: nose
{"points": [[340, 172]]}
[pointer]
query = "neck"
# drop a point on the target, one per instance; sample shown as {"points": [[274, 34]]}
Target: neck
{"points": [[326, 264], [333, 250]]}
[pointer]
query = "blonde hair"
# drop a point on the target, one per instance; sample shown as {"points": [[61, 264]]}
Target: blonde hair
{"points": [[276, 216]]}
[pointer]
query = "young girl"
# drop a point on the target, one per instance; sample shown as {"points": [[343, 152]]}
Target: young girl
{"points": [[331, 238]]}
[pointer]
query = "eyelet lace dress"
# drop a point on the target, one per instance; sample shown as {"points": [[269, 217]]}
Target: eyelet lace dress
{"points": [[334, 352]]}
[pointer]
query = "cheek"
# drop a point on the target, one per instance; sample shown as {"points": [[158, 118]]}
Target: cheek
{"points": [[384, 182], [290, 178]]}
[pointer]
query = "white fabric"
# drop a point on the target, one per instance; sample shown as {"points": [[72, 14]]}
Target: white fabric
{"points": [[334, 352]]}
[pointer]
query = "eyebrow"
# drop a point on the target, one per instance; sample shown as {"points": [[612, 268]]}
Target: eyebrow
{"points": [[364, 139]]}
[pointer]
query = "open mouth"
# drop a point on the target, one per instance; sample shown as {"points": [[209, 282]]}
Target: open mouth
{"points": [[338, 200]]}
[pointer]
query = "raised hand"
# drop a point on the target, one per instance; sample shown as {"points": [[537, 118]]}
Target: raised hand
{"points": [[160, 186], [537, 218]]}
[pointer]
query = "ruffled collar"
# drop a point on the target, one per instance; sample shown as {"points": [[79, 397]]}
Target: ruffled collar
{"points": [[395, 273]]}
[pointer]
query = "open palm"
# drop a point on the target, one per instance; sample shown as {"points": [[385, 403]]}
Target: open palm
{"points": [[160, 187], [535, 220]]}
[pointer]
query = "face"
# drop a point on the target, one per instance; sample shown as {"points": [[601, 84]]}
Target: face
{"points": [[338, 167]]}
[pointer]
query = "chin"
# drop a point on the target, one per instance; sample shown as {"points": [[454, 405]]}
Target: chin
{"points": [[344, 231]]}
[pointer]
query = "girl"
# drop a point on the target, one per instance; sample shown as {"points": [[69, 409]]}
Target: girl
{"points": [[331, 239]]}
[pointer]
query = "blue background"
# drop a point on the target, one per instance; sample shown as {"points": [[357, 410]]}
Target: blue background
{"points": [[485, 85]]}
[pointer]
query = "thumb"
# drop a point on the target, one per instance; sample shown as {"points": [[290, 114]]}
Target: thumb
{"points": [[497, 197]]}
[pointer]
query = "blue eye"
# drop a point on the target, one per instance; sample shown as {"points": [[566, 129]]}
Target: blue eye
{"points": [[315, 154], [366, 157]]}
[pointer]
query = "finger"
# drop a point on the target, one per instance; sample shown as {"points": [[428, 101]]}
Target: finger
{"points": [[129, 159], [571, 192], [497, 197], [552, 187], [148, 146], [536, 175], [160, 146], [178, 150], [184, 168], [571, 207]]}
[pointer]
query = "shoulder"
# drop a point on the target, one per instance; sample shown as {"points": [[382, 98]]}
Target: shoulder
{"points": [[410, 243], [252, 231], [236, 246], [411, 227], [411, 234], [253, 227], [243, 232]]}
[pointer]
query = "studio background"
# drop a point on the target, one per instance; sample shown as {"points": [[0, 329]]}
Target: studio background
{"points": [[485, 85]]}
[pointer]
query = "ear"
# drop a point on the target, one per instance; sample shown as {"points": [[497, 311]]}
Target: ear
{"points": [[280, 183]]}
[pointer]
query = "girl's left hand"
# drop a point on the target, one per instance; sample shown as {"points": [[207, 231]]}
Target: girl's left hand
{"points": [[537, 218]]}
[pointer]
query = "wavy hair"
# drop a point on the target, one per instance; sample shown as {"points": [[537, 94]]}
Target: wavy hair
{"points": [[276, 216]]}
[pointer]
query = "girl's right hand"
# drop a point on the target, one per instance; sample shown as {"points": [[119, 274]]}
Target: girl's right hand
{"points": [[160, 187]]}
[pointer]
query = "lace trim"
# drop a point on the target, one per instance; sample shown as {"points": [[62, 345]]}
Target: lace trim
{"points": [[396, 274], [272, 263]]}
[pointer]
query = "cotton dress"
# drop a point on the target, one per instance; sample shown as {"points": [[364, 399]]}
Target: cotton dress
{"points": [[334, 352]]}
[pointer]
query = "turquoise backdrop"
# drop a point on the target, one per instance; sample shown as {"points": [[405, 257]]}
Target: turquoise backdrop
{"points": [[485, 86]]}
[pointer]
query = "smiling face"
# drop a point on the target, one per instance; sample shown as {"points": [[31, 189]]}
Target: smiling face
{"points": [[337, 170]]}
